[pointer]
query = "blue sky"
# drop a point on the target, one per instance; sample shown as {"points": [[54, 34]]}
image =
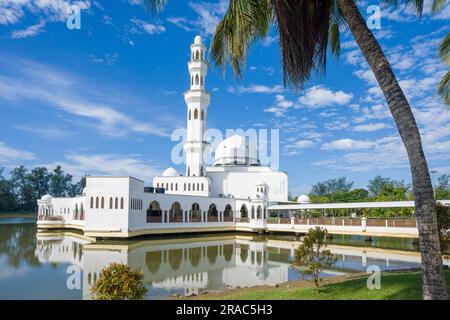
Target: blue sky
{"points": [[105, 99]]}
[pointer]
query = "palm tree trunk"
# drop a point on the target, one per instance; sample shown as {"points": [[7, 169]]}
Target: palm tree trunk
{"points": [[433, 280]]}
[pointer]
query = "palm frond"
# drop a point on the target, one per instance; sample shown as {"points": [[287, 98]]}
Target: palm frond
{"points": [[444, 84], [304, 33], [418, 5], [155, 6], [337, 24], [244, 22]]}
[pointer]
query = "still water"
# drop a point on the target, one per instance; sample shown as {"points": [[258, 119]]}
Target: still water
{"points": [[63, 265]]}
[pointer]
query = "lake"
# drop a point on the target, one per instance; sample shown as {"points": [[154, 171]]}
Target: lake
{"points": [[64, 265]]}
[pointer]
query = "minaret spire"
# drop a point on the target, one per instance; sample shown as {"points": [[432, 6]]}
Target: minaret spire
{"points": [[197, 101]]}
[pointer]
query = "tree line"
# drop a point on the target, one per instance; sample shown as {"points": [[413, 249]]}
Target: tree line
{"points": [[23, 187], [378, 189]]}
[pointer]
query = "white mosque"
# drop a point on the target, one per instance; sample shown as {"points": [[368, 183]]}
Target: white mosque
{"points": [[233, 194]]}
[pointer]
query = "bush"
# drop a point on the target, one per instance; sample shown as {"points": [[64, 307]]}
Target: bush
{"points": [[118, 282], [443, 217]]}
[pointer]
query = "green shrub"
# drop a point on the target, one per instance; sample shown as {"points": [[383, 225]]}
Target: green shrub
{"points": [[118, 282], [311, 257]]}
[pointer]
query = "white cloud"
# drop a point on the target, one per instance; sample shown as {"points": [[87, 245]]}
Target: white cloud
{"points": [[301, 144], [107, 164], [319, 96], [12, 11], [148, 28], [347, 144], [9, 155], [370, 127], [39, 83], [208, 16], [256, 88], [31, 31]]}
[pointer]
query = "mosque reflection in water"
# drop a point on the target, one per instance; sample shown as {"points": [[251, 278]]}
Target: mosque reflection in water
{"points": [[195, 265]]}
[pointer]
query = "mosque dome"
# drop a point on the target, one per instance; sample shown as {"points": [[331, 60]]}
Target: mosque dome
{"points": [[303, 199], [46, 197], [170, 172], [236, 150]]}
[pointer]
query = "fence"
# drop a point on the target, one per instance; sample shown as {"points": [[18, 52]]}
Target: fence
{"points": [[394, 223]]}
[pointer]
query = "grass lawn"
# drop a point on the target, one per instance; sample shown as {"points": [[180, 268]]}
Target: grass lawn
{"points": [[394, 286]]}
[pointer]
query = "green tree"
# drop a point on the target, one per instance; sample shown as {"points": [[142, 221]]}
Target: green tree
{"points": [[442, 190], [376, 184], [306, 28], [8, 199], [60, 183], [311, 257], [23, 189], [331, 186], [118, 282], [39, 179]]}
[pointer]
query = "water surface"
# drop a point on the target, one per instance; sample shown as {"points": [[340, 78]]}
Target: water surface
{"points": [[64, 265]]}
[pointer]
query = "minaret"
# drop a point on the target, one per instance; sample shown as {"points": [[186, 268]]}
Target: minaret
{"points": [[197, 101]]}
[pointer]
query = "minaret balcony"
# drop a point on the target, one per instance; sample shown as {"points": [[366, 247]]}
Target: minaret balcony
{"points": [[197, 96]]}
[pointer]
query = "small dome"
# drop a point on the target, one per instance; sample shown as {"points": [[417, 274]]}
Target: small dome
{"points": [[303, 199], [236, 150], [84, 191], [198, 40], [170, 172], [46, 197]]}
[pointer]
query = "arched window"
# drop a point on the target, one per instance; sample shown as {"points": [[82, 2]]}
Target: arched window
{"points": [[116, 203], [257, 189], [212, 212], [195, 114], [154, 212], [167, 186], [176, 186], [201, 80], [201, 54], [203, 115], [259, 212], [196, 79], [192, 80], [189, 187], [189, 171], [171, 187], [103, 203], [121, 203], [195, 213], [253, 212], [189, 114], [110, 202], [92, 203], [202, 186], [198, 186], [228, 213], [193, 187], [197, 55], [184, 187], [176, 213], [96, 203], [244, 212]]}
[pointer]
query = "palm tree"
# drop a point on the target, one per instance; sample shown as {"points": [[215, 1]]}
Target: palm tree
{"points": [[306, 28], [444, 85]]}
